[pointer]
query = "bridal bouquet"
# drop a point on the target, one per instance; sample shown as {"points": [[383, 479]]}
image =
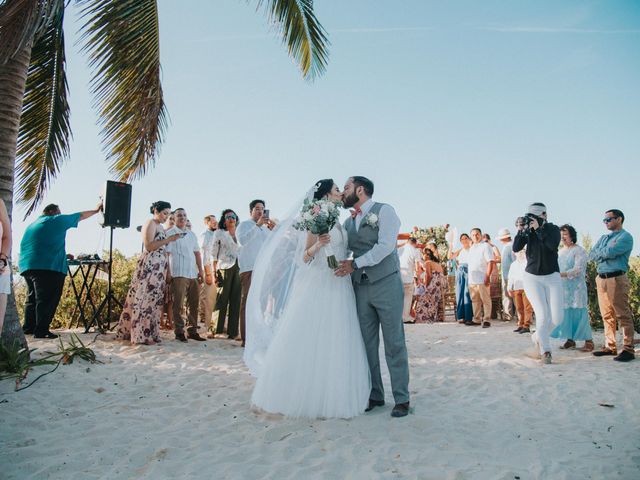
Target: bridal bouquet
{"points": [[318, 217]]}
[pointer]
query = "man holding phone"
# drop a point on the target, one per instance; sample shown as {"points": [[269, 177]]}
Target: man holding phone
{"points": [[252, 234], [185, 264]]}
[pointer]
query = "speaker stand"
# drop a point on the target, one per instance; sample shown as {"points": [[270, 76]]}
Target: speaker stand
{"points": [[103, 326]]}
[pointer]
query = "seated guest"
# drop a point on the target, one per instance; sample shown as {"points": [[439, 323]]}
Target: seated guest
{"points": [[572, 260], [515, 289], [142, 311], [431, 275], [225, 260], [185, 266], [464, 308], [43, 264]]}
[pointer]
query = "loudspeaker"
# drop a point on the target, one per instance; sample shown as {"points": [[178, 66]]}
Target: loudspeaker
{"points": [[117, 204]]}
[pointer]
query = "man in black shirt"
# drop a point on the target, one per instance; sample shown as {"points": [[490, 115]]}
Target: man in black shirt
{"points": [[542, 282]]}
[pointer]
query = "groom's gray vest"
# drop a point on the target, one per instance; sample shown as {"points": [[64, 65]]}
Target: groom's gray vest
{"points": [[363, 240]]}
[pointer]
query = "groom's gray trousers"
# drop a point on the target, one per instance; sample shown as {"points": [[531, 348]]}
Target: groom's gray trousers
{"points": [[380, 305]]}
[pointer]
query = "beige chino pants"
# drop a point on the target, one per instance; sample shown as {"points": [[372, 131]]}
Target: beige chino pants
{"points": [[613, 299]]}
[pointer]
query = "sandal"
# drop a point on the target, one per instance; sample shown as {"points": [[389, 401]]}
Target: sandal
{"points": [[588, 346], [568, 344]]}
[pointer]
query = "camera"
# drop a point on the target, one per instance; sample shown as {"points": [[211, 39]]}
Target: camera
{"points": [[525, 220]]}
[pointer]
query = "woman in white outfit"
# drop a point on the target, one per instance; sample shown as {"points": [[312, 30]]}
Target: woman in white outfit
{"points": [[305, 344], [542, 282]]}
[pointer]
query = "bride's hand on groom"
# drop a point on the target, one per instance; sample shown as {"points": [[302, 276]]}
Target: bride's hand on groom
{"points": [[345, 268]]}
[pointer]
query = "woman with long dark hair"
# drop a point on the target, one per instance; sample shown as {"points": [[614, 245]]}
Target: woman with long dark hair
{"points": [[142, 311], [225, 261]]}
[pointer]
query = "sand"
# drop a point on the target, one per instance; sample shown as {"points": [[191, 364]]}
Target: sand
{"points": [[482, 408]]}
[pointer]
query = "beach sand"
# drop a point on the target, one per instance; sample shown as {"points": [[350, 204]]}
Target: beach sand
{"points": [[482, 408]]}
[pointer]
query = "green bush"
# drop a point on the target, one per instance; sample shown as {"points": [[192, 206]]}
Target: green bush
{"points": [[67, 314]]}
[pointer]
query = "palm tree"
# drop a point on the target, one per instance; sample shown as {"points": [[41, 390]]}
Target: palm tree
{"points": [[121, 38]]}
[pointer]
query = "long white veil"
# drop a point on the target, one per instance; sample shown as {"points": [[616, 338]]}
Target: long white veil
{"points": [[274, 272]]}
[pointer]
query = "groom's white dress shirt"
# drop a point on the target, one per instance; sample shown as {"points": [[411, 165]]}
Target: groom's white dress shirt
{"points": [[388, 229]]}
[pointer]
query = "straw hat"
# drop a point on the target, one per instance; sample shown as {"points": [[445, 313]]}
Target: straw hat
{"points": [[503, 233]]}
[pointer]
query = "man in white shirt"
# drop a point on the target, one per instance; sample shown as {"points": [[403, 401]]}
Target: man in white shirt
{"points": [[409, 255], [481, 263], [507, 257], [185, 265], [208, 289], [252, 234]]}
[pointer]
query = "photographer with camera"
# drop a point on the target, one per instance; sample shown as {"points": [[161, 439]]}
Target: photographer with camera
{"points": [[542, 282]]}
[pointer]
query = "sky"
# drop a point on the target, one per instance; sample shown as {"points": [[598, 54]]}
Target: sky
{"points": [[461, 112]]}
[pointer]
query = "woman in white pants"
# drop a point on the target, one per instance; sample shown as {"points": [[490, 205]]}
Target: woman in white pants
{"points": [[542, 282]]}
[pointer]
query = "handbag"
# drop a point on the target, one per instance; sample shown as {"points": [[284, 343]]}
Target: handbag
{"points": [[420, 290]]}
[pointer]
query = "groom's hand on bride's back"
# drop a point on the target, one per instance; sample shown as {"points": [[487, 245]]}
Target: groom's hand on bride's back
{"points": [[345, 268]]}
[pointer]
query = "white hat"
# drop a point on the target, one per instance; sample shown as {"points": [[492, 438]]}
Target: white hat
{"points": [[537, 209], [503, 233]]}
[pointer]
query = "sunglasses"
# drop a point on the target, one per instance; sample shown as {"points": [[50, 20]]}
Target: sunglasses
{"points": [[230, 216], [609, 219]]}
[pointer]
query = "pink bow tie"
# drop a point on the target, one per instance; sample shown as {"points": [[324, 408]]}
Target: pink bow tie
{"points": [[356, 212]]}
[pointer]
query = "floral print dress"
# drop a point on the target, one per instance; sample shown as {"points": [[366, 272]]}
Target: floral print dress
{"points": [[428, 304], [140, 318]]}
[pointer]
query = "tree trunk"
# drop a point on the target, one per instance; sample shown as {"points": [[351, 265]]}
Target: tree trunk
{"points": [[13, 77]]}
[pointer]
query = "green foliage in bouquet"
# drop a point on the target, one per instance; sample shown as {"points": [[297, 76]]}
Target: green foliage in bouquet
{"points": [[317, 216]]}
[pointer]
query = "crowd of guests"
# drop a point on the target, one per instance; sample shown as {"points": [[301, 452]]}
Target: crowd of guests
{"points": [[535, 279], [182, 280]]}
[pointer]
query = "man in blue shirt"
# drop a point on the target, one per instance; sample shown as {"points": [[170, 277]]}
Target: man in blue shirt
{"points": [[43, 264], [611, 254]]}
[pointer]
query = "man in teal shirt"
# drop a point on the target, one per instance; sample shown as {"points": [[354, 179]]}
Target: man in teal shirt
{"points": [[43, 264], [611, 254]]}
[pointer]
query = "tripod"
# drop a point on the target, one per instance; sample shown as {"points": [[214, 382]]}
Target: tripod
{"points": [[103, 326]]}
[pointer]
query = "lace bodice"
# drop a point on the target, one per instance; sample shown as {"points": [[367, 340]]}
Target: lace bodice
{"points": [[573, 262]]}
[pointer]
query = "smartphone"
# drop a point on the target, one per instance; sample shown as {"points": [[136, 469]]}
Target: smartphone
{"points": [[265, 214], [183, 234]]}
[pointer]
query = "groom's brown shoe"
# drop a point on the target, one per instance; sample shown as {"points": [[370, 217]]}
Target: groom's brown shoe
{"points": [[400, 410], [373, 404]]}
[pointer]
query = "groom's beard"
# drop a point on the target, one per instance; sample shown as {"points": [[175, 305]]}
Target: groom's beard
{"points": [[350, 201]]}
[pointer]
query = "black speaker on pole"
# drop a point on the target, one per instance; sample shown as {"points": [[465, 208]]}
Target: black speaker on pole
{"points": [[117, 204]]}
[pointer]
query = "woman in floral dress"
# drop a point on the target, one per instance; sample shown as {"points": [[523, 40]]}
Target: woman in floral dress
{"points": [[432, 277], [140, 318]]}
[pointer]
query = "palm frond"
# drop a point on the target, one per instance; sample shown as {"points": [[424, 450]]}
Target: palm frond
{"points": [[43, 138], [122, 39], [303, 34], [23, 21]]}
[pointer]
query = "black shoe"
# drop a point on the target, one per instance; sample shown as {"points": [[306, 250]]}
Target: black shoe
{"points": [[400, 410], [624, 357], [181, 337], [373, 404], [195, 336], [525, 330], [486, 324], [518, 330], [604, 352], [27, 331], [469, 323], [45, 335]]}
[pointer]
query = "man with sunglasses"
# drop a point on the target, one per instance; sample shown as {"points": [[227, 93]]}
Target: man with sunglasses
{"points": [[611, 254]]}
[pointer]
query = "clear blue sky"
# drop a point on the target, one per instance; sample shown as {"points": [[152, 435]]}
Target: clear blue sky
{"points": [[462, 112]]}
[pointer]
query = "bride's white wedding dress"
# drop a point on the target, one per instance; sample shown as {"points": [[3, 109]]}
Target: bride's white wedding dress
{"points": [[316, 365]]}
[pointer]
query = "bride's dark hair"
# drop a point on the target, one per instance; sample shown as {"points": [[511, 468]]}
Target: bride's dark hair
{"points": [[322, 188]]}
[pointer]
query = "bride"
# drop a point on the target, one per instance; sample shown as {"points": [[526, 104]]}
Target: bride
{"points": [[304, 342]]}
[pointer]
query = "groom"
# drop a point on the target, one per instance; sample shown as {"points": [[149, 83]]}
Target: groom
{"points": [[375, 271]]}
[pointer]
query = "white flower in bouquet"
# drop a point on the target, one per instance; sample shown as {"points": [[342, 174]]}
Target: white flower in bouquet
{"points": [[319, 217]]}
